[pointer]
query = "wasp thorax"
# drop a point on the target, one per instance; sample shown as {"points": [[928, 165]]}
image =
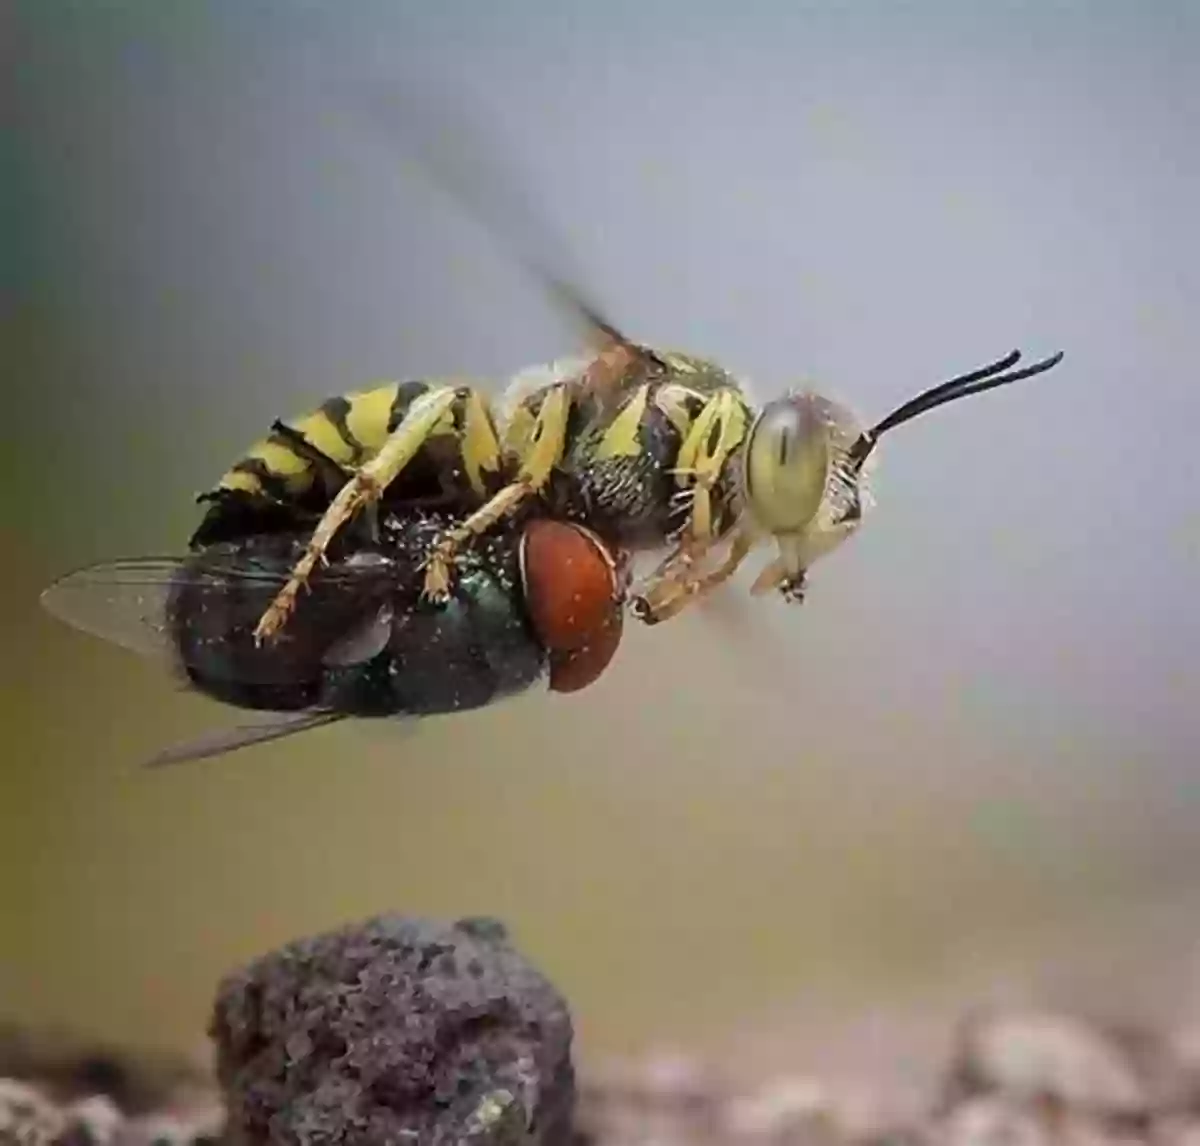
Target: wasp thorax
{"points": [[789, 456]]}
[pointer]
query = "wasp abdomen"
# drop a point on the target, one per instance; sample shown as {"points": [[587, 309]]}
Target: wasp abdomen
{"points": [[286, 480]]}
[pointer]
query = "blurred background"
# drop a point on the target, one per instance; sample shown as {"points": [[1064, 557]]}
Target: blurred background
{"points": [[982, 728]]}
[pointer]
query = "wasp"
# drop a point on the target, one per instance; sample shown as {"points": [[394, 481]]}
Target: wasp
{"points": [[537, 601], [653, 450], [649, 449]]}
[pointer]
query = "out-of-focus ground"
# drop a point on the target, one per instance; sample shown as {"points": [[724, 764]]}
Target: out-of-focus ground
{"points": [[1101, 1045]]}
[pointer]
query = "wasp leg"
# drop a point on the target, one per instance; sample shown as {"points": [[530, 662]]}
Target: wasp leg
{"points": [[716, 433], [545, 446], [714, 436], [668, 596], [364, 488], [785, 575]]}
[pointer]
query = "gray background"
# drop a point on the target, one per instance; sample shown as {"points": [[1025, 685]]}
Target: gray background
{"points": [[986, 715]]}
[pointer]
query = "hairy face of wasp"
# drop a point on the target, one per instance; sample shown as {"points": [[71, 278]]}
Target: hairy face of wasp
{"points": [[806, 459]]}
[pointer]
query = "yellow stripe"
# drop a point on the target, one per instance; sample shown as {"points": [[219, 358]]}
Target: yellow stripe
{"points": [[323, 435], [248, 483], [480, 445], [622, 438], [368, 416]]}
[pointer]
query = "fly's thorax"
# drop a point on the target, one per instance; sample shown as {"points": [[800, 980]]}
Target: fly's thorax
{"points": [[465, 653], [796, 482]]}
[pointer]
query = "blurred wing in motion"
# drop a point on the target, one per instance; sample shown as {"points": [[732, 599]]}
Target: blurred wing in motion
{"points": [[451, 150]]}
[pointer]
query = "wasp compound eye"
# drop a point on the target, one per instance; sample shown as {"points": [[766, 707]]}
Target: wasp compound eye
{"points": [[572, 593], [788, 459]]}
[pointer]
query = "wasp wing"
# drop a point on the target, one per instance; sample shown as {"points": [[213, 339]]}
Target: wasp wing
{"points": [[464, 161]]}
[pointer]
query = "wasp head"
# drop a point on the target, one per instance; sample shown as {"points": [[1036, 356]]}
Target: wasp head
{"points": [[806, 460], [798, 481]]}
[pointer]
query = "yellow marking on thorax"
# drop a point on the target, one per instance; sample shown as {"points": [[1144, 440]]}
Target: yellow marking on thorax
{"points": [[518, 430], [674, 399], [726, 415], [622, 438], [480, 445]]}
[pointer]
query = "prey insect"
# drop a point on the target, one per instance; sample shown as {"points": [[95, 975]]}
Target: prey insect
{"points": [[539, 601]]}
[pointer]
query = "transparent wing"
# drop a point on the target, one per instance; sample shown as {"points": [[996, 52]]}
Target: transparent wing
{"points": [[466, 162], [221, 741], [121, 602], [129, 603]]}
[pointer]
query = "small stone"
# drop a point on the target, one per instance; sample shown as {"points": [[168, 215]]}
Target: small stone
{"points": [[993, 1121], [787, 1110], [27, 1116], [392, 1030], [1051, 1056], [95, 1120]]}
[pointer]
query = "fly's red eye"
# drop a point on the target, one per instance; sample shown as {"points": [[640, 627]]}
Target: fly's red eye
{"points": [[577, 668], [571, 591]]}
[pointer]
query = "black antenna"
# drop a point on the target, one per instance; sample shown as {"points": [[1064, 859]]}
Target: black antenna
{"points": [[976, 382]]}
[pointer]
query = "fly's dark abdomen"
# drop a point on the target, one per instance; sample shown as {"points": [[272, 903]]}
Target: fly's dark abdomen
{"points": [[215, 604], [363, 641], [475, 649]]}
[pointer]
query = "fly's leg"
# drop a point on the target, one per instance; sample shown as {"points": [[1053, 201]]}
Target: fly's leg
{"points": [[542, 451], [671, 593], [364, 488]]}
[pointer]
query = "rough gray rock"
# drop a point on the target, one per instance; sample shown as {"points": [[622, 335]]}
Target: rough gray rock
{"points": [[391, 1031]]}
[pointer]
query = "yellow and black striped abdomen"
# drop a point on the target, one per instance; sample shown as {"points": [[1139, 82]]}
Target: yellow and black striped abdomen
{"points": [[288, 478]]}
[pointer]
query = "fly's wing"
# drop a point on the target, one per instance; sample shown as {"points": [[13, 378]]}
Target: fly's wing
{"points": [[225, 740], [132, 603], [166, 608], [121, 602], [464, 161]]}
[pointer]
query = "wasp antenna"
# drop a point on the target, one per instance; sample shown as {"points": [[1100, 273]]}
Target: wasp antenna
{"points": [[944, 391], [974, 382]]}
